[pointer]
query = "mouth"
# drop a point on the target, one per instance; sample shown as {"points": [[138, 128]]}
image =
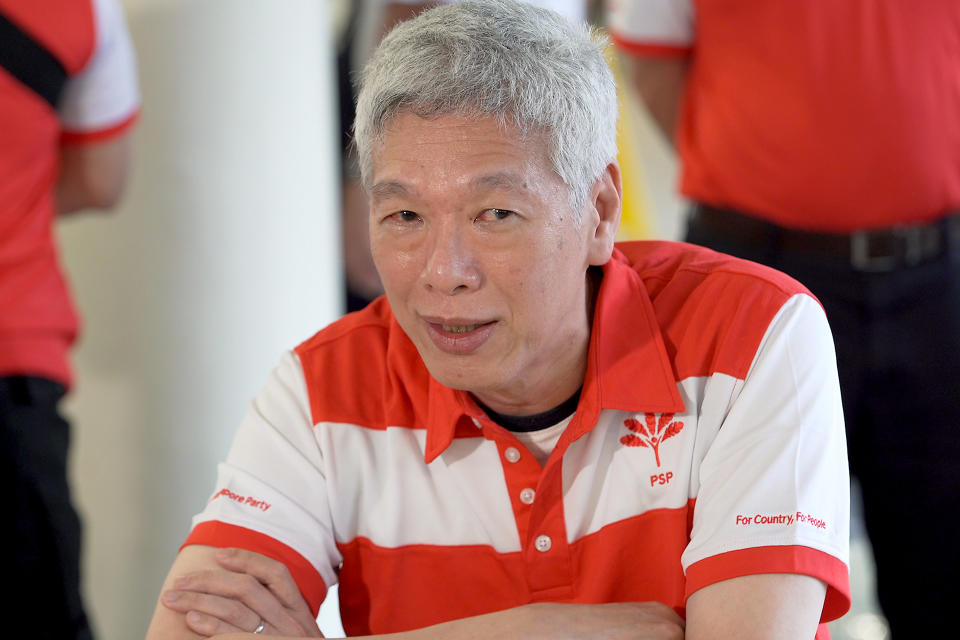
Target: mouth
{"points": [[461, 328], [459, 336]]}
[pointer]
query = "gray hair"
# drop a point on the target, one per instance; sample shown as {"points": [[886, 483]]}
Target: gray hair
{"points": [[526, 67]]}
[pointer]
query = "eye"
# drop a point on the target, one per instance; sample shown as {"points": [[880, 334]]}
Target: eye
{"points": [[493, 215], [404, 217]]}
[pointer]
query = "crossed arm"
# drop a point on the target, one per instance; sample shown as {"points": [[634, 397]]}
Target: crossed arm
{"points": [[659, 81], [210, 592]]}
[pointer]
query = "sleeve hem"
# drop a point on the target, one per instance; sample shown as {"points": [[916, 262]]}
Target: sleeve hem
{"points": [[778, 559], [658, 50], [71, 137], [220, 534]]}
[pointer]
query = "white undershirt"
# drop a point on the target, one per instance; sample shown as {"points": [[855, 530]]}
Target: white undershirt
{"points": [[542, 441]]}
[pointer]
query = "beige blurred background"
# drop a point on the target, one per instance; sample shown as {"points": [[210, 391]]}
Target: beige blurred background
{"points": [[225, 252]]}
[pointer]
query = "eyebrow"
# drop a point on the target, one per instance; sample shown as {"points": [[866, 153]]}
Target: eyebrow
{"points": [[504, 180], [390, 189]]}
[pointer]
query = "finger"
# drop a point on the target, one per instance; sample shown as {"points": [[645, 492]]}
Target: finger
{"points": [[268, 571], [243, 591], [247, 591], [277, 578], [207, 625], [233, 614]]}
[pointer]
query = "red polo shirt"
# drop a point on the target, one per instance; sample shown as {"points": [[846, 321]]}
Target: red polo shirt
{"points": [[708, 443], [826, 116], [89, 38]]}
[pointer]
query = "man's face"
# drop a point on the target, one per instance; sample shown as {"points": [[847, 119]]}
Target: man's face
{"points": [[482, 259]]}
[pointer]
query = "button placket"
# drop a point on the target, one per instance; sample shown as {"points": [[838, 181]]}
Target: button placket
{"points": [[547, 556], [521, 473]]}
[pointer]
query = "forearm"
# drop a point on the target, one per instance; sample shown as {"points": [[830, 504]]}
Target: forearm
{"points": [[549, 621], [757, 607], [213, 591], [231, 591], [500, 624], [660, 84], [92, 176], [168, 624], [489, 626]]}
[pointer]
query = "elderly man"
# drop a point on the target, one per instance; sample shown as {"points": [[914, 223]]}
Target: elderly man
{"points": [[536, 433]]}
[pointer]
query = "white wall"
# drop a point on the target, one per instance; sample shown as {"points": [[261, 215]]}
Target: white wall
{"points": [[224, 253]]}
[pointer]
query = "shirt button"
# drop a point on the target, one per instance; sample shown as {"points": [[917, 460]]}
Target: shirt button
{"points": [[477, 423], [543, 543], [512, 454], [527, 495]]}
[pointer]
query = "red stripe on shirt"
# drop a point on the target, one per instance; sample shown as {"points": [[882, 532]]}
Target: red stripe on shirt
{"points": [[392, 589], [386, 590], [100, 135], [650, 49], [778, 559], [222, 535]]}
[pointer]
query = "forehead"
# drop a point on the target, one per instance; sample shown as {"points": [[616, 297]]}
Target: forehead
{"points": [[455, 150]]}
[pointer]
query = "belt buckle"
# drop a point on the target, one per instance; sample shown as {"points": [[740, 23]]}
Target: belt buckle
{"points": [[908, 246]]}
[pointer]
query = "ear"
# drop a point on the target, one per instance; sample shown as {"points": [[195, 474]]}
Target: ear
{"points": [[602, 211]]}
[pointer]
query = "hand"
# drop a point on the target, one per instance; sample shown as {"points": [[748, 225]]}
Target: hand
{"points": [[614, 621], [250, 588]]}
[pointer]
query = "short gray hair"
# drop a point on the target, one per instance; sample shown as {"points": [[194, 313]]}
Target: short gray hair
{"points": [[524, 66]]}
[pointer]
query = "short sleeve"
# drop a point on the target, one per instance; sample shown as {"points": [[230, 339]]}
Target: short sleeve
{"points": [[774, 486], [103, 99], [270, 495], [652, 27]]}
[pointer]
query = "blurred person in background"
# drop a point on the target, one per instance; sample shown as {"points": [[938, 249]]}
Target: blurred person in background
{"points": [[823, 139], [68, 98]]}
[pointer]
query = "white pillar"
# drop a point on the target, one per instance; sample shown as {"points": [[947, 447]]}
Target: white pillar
{"points": [[224, 253]]}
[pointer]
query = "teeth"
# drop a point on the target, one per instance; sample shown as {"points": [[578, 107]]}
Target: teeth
{"points": [[459, 328]]}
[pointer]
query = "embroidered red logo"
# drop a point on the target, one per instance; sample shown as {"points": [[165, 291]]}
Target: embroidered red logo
{"points": [[655, 428]]}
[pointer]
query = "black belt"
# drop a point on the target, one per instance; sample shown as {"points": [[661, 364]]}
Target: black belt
{"points": [[29, 390], [872, 250]]}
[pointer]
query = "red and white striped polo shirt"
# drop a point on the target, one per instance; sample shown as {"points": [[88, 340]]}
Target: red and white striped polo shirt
{"points": [[708, 443]]}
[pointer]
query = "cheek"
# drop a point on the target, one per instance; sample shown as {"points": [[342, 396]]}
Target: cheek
{"points": [[554, 282], [397, 268]]}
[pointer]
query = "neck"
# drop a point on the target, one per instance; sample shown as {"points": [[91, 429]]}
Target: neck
{"points": [[536, 421], [559, 379]]}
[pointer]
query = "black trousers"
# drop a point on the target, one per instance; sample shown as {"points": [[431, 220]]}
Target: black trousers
{"points": [[42, 550], [897, 336]]}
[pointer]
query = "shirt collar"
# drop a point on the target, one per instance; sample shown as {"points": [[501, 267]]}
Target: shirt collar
{"points": [[627, 365]]}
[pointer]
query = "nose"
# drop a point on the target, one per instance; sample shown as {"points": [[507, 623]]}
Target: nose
{"points": [[451, 266]]}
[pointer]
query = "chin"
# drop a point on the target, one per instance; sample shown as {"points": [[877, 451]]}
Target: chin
{"points": [[459, 379], [458, 375]]}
